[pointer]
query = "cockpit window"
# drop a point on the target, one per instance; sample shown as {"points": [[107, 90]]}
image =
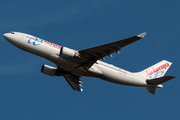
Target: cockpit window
{"points": [[12, 32]]}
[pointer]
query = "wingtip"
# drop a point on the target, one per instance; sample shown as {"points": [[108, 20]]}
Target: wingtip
{"points": [[81, 90], [142, 35]]}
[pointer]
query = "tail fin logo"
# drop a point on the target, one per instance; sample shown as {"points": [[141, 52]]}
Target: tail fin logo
{"points": [[157, 70], [156, 75]]}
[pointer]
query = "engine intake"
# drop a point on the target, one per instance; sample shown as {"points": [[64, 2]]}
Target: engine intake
{"points": [[49, 70], [69, 53]]}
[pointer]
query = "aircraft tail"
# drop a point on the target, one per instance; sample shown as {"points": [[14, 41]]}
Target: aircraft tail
{"points": [[154, 75], [157, 70]]}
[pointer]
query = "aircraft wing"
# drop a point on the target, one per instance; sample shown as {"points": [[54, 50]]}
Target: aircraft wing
{"points": [[99, 52], [74, 81]]}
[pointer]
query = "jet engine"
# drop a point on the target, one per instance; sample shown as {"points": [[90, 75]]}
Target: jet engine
{"points": [[69, 53], [49, 70]]}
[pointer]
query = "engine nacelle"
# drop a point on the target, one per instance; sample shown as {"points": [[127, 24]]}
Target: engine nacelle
{"points": [[49, 70], [69, 53]]}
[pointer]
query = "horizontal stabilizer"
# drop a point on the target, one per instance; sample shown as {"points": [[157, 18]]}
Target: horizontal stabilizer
{"points": [[160, 80], [154, 83]]}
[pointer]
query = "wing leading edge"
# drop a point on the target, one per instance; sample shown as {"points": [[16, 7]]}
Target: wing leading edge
{"points": [[99, 52]]}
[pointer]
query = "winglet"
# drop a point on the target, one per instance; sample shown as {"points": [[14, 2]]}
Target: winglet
{"points": [[142, 35]]}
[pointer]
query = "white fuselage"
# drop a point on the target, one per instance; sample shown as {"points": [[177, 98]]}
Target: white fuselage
{"points": [[51, 52]]}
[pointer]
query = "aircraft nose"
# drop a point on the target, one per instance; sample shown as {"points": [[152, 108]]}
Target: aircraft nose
{"points": [[8, 36], [5, 35]]}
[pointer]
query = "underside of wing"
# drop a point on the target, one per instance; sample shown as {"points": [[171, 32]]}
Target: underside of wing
{"points": [[74, 82], [99, 52]]}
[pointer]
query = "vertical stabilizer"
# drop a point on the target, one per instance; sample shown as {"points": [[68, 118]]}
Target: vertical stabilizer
{"points": [[151, 89], [157, 70]]}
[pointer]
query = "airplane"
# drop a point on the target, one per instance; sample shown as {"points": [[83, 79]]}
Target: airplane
{"points": [[74, 64]]}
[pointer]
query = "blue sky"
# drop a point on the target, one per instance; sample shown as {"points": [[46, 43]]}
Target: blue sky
{"points": [[26, 93]]}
